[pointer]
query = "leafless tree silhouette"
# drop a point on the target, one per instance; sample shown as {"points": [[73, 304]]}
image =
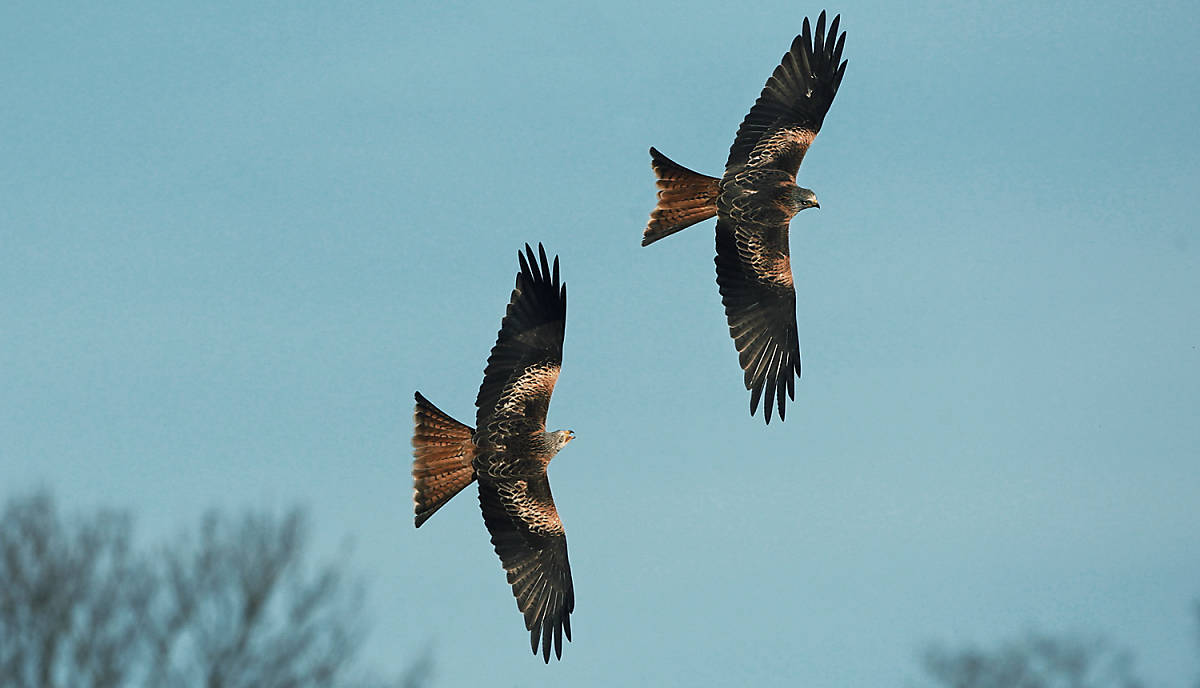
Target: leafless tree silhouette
{"points": [[1036, 661], [233, 605]]}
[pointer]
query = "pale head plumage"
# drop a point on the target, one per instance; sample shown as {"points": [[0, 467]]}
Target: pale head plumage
{"points": [[558, 439]]}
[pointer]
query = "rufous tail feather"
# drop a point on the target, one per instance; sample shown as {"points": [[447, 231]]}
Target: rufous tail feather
{"points": [[442, 453], [684, 198]]}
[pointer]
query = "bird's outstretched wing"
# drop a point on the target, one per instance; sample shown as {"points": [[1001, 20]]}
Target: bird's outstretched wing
{"points": [[754, 273], [529, 538], [511, 417], [788, 114], [524, 363]]}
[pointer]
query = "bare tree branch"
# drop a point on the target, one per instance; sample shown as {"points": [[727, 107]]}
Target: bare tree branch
{"points": [[234, 605], [1036, 661], [71, 598]]}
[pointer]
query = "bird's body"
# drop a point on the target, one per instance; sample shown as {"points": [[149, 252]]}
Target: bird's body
{"points": [[522, 457], [508, 453], [754, 202], [767, 197]]}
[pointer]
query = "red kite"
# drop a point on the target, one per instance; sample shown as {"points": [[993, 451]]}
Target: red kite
{"points": [[754, 202], [508, 452]]}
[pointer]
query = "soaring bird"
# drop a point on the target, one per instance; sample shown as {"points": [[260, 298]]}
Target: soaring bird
{"points": [[754, 203], [508, 452]]}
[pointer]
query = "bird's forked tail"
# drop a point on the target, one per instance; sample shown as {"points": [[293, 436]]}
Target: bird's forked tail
{"points": [[442, 453], [684, 198]]}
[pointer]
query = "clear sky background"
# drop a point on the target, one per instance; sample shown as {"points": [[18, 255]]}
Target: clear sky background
{"points": [[234, 241]]}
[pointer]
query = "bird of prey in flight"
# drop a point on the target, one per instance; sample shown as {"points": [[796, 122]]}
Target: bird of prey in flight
{"points": [[508, 451], [754, 202]]}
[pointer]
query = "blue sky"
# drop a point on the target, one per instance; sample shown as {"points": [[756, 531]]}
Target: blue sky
{"points": [[234, 240]]}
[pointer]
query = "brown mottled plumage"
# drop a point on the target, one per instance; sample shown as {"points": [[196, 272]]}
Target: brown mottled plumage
{"points": [[442, 452], [754, 203], [509, 451]]}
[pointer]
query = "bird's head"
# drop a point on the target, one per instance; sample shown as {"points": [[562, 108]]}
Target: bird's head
{"points": [[803, 198], [561, 437]]}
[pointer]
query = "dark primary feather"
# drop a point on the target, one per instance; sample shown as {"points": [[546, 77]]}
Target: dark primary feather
{"points": [[524, 363], [788, 114]]}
